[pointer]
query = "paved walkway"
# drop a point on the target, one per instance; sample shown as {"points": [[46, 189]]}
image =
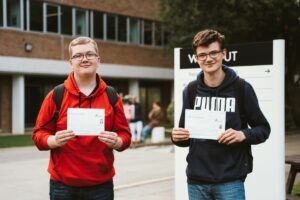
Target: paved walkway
{"points": [[143, 173], [292, 147]]}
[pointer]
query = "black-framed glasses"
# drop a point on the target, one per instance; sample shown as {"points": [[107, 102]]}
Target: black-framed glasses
{"points": [[88, 56], [212, 54]]}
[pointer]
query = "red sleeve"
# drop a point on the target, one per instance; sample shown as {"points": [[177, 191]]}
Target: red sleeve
{"points": [[45, 125], [121, 125]]}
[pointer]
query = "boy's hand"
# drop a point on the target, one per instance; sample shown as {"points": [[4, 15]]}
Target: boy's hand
{"points": [[231, 136], [111, 139], [180, 134], [60, 138]]}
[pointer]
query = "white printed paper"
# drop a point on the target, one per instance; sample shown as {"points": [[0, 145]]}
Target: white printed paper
{"points": [[84, 121], [205, 124]]}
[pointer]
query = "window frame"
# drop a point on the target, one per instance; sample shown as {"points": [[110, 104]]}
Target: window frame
{"points": [[21, 13], [138, 30], [74, 20], [115, 27], [45, 19], [60, 20], [118, 29]]}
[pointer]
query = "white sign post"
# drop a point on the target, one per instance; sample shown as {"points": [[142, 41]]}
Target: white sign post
{"points": [[262, 65]]}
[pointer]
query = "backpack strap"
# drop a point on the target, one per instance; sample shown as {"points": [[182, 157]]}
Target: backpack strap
{"points": [[58, 94], [112, 95], [239, 87], [192, 90]]}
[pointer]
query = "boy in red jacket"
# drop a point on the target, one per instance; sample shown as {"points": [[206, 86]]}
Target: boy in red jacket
{"points": [[81, 167]]}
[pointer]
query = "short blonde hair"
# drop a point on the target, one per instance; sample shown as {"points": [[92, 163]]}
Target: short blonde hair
{"points": [[82, 40]]}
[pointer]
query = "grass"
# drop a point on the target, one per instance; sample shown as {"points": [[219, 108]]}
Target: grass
{"points": [[296, 189], [15, 141]]}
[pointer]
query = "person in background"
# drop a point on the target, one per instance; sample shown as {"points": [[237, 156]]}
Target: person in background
{"points": [[127, 108], [156, 117], [81, 167], [217, 169], [136, 124]]}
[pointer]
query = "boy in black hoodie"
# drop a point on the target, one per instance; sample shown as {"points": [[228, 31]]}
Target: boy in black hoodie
{"points": [[217, 168]]}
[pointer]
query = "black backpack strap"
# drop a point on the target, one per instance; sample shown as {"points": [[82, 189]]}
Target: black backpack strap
{"points": [[112, 95], [192, 90], [58, 94], [239, 86]]}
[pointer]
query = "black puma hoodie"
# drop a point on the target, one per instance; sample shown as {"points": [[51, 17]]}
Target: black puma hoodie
{"points": [[211, 162]]}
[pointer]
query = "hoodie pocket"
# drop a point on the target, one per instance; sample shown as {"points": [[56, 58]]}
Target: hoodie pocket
{"points": [[74, 167]]}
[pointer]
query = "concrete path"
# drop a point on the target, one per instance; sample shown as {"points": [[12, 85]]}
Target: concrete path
{"points": [[143, 173]]}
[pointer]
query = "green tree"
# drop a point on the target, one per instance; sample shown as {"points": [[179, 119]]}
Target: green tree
{"points": [[241, 21]]}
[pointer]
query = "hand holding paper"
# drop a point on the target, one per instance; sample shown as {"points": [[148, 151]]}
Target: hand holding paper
{"points": [[231, 136], [111, 139], [180, 134]]}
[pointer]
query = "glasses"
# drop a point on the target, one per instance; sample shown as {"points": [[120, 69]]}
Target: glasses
{"points": [[88, 56], [212, 54]]}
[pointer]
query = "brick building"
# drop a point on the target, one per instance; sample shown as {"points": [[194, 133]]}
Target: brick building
{"points": [[34, 38]]}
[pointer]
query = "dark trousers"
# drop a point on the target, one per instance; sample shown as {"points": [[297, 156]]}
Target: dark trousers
{"points": [[60, 191]]}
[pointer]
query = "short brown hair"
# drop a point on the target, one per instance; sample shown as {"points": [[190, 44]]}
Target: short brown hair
{"points": [[206, 37], [82, 40]]}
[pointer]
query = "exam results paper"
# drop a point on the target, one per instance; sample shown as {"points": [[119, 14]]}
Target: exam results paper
{"points": [[205, 124], [83, 121]]}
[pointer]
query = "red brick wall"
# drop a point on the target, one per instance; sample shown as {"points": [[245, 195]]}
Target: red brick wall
{"points": [[134, 8], [56, 47]]}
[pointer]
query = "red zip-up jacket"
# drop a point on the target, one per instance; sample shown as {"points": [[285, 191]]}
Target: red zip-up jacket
{"points": [[84, 160]]}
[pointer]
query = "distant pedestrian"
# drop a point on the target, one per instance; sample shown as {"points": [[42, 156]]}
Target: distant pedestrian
{"points": [[136, 124], [127, 108], [156, 118]]}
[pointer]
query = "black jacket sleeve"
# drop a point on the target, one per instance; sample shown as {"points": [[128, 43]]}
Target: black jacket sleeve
{"points": [[260, 127]]}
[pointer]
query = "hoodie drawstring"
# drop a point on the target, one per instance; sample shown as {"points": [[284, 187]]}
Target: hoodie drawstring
{"points": [[79, 100], [90, 100]]}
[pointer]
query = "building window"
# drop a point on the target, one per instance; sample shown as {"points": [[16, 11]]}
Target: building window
{"points": [[14, 13], [25, 10], [36, 15], [1, 12], [52, 18], [158, 34], [122, 28], [66, 20], [148, 32], [134, 31], [98, 25], [81, 22], [111, 27]]}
